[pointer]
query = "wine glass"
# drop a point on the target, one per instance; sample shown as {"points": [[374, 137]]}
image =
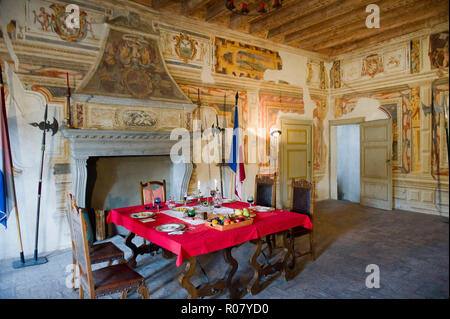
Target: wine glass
{"points": [[157, 202], [185, 198], [170, 202], [250, 201]]}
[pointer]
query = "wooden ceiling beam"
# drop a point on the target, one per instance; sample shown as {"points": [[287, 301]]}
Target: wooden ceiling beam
{"points": [[385, 36], [334, 10], [215, 9], [160, 4], [189, 6], [344, 20], [289, 11], [388, 21]]}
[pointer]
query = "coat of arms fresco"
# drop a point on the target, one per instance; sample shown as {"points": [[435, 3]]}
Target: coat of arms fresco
{"points": [[372, 65], [47, 18], [185, 47], [131, 66]]}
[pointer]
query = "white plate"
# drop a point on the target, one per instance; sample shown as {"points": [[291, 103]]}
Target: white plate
{"points": [[170, 227], [142, 215], [262, 208]]}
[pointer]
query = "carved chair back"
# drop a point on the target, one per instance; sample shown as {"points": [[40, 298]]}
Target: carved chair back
{"points": [[148, 192], [302, 197], [265, 190]]}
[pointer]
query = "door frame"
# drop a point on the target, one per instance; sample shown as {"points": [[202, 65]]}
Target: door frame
{"points": [[284, 121], [350, 121]]}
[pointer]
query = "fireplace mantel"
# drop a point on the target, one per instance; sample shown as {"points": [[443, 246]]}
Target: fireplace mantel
{"points": [[103, 143]]}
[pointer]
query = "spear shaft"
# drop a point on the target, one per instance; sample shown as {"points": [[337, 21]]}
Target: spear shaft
{"points": [[40, 185]]}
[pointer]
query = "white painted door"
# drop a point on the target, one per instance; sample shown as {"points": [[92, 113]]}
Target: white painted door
{"points": [[376, 167], [295, 156]]}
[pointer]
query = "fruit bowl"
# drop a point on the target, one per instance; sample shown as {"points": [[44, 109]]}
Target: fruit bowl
{"points": [[228, 222]]}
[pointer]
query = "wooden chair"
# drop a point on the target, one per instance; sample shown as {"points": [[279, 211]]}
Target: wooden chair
{"points": [[147, 195], [265, 196], [265, 190], [148, 192], [99, 252], [103, 281], [302, 202]]}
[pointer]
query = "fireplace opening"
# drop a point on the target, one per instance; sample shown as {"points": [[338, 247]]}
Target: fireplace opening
{"points": [[113, 182]]}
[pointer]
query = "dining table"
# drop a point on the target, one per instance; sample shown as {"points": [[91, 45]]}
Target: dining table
{"points": [[197, 239]]}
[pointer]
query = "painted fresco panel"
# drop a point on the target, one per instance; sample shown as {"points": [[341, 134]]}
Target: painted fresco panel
{"points": [[243, 60]]}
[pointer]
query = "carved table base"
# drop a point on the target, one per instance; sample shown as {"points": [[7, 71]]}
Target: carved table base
{"points": [[210, 289], [281, 265], [142, 249]]}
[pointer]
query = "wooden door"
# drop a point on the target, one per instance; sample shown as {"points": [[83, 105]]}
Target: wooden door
{"points": [[376, 167], [295, 156]]}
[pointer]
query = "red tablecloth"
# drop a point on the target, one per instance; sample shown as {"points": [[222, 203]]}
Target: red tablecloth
{"points": [[201, 239]]}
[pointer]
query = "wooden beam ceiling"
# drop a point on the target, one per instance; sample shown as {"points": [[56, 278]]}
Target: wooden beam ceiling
{"points": [[381, 37], [324, 26], [357, 15], [293, 10], [388, 21]]}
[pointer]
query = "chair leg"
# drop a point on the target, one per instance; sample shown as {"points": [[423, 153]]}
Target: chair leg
{"points": [[123, 294], [269, 245], [74, 271], [143, 291], [312, 246], [81, 292]]}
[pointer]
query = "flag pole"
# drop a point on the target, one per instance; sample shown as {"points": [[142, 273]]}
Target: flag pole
{"points": [[22, 258]]}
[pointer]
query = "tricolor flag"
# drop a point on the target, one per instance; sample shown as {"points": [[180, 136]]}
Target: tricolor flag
{"points": [[236, 161], [7, 200]]}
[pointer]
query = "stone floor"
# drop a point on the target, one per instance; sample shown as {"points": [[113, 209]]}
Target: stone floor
{"points": [[410, 249]]}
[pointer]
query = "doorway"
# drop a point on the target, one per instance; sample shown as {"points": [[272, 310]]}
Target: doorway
{"points": [[360, 162], [345, 159], [348, 162]]}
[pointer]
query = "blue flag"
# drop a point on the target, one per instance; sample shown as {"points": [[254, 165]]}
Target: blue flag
{"points": [[7, 196]]}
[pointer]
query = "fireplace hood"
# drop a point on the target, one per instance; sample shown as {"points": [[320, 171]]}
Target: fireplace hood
{"points": [[130, 69]]}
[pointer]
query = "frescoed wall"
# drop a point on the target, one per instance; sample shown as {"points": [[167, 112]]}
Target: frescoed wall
{"points": [[416, 107], [168, 62]]}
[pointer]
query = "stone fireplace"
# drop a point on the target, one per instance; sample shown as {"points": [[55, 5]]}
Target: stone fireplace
{"points": [[129, 104], [85, 144]]}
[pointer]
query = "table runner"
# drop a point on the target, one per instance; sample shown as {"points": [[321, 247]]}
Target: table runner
{"points": [[200, 239]]}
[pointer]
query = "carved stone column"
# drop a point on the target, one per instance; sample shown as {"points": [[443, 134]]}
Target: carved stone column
{"points": [[79, 179]]}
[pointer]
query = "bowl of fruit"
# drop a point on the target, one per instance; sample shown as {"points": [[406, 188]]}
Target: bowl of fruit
{"points": [[238, 219]]}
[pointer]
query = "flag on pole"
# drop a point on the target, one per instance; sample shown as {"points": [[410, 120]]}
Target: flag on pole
{"points": [[236, 161], [7, 195]]}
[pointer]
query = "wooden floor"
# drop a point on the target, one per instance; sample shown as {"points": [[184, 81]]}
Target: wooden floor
{"points": [[410, 249]]}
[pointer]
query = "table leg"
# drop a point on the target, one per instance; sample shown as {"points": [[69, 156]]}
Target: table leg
{"points": [[288, 244], [142, 249], [210, 289], [185, 276], [256, 285]]}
